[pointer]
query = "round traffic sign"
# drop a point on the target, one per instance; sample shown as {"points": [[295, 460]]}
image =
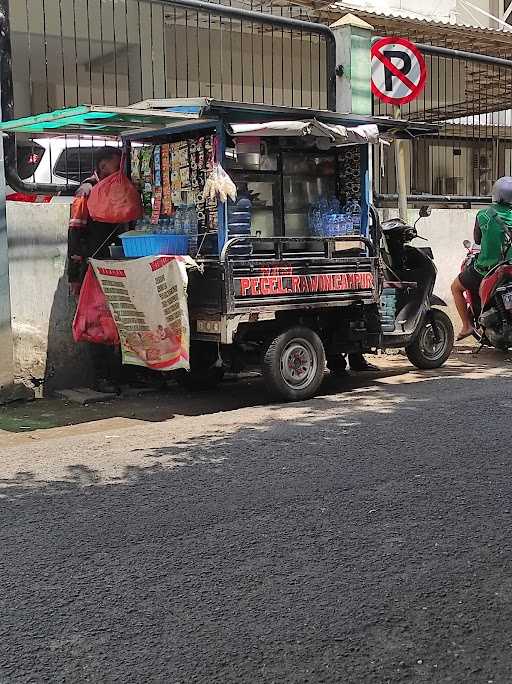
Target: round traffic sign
{"points": [[399, 71]]}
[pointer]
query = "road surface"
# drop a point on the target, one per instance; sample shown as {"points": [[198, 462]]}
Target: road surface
{"points": [[363, 536]]}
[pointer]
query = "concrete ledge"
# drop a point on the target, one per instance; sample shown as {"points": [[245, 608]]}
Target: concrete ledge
{"points": [[85, 395], [16, 392]]}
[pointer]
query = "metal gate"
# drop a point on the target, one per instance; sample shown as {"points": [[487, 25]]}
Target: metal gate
{"points": [[118, 52]]}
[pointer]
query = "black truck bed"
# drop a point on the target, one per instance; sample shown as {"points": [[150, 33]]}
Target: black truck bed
{"points": [[345, 271]]}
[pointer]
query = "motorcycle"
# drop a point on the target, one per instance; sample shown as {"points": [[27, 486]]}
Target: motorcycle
{"points": [[490, 310], [412, 319]]}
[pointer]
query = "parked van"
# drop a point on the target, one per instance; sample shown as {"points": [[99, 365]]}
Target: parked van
{"points": [[61, 161]]}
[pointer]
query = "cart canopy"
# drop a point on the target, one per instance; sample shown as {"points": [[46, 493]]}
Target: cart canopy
{"points": [[154, 117], [94, 120], [335, 134]]}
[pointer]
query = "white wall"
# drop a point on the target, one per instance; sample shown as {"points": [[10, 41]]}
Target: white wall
{"points": [[42, 309], [445, 231]]}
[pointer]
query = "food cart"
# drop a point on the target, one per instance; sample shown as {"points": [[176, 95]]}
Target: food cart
{"points": [[289, 273]]}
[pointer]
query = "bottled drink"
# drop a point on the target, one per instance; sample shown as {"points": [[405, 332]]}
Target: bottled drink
{"points": [[178, 221], [190, 227], [355, 212]]}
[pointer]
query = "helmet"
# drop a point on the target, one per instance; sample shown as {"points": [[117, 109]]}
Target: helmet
{"points": [[502, 190]]}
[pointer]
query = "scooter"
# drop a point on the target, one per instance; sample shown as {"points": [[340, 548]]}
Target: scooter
{"points": [[409, 317], [491, 311]]}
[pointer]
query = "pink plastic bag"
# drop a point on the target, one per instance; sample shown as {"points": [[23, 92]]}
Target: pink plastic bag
{"points": [[115, 199], [93, 321]]}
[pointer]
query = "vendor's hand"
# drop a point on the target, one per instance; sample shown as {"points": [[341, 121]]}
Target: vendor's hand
{"points": [[84, 190], [77, 259], [74, 289]]}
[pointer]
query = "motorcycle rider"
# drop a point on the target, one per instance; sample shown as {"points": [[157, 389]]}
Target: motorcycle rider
{"points": [[490, 232]]}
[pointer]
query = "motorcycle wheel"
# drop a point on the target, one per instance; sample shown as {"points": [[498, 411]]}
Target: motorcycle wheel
{"points": [[427, 352]]}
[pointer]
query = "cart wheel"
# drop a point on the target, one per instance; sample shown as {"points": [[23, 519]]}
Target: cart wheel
{"points": [[434, 342], [203, 373], [294, 364]]}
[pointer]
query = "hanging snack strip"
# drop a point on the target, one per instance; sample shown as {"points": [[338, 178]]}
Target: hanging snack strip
{"points": [[212, 223], [146, 176], [166, 181], [157, 186]]}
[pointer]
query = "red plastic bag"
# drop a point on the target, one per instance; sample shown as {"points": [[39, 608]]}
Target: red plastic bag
{"points": [[93, 321], [115, 199]]}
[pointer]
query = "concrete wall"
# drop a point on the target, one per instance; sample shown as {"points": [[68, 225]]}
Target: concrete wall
{"points": [[42, 309]]}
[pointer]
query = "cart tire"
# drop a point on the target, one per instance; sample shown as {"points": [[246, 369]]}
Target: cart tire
{"points": [[427, 353], [203, 373], [294, 364]]}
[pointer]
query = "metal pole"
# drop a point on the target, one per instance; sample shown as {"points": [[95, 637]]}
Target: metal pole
{"points": [[6, 340], [401, 181]]}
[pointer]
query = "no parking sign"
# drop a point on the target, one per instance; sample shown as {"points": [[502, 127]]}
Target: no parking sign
{"points": [[399, 71]]}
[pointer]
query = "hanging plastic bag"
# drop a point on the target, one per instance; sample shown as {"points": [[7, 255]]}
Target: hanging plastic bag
{"points": [[115, 199], [226, 187], [93, 321], [219, 184]]}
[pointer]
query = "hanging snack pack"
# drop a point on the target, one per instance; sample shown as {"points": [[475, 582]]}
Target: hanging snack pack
{"points": [[157, 186], [211, 203], [157, 167], [166, 181], [135, 166], [184, 163], [175, 173], [201, 180], [146, 175]]}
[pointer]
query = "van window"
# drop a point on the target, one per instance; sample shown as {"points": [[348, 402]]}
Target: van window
{"points": [[28, 158], [75, 163]]}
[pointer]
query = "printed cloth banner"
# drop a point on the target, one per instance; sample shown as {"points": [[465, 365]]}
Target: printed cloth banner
{"points": [[148, 300]]}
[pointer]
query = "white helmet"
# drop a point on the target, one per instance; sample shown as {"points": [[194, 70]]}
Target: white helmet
{"points": [[502, 190]]}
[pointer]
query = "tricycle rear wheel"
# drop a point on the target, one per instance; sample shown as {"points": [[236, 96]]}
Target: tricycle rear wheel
{"points": [[294, 364]]}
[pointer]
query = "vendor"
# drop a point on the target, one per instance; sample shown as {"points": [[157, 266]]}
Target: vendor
{"points": [[88, 239]]}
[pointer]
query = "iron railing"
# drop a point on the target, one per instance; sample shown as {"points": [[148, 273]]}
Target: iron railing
{"points": [[58, 53], [468, 96]]}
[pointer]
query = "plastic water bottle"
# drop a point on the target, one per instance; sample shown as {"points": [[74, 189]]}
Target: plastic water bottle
{"points": [[190, 228], [178, 221], [355, 211]]}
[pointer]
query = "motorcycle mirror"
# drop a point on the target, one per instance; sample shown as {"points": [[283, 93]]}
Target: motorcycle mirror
{"points": [[425, 211], [467, 244]]}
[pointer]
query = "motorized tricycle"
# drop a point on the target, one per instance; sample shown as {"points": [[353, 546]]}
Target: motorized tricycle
{"points": [[292, 274]]}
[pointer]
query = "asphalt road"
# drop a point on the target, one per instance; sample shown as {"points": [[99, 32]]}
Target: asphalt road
{"points": [[363, 536]]}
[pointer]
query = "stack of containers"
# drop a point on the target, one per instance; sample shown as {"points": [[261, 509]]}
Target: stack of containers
{"points": [[239, 225], [388, 309]]}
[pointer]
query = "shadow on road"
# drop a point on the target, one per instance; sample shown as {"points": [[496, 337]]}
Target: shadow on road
{"points": [[232, 395]]}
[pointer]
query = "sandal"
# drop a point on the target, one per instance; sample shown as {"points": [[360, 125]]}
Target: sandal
{"points": [[463, 336]]}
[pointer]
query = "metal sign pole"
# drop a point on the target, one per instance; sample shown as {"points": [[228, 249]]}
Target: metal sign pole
{"points": [[401, 181], [6, 341]]}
